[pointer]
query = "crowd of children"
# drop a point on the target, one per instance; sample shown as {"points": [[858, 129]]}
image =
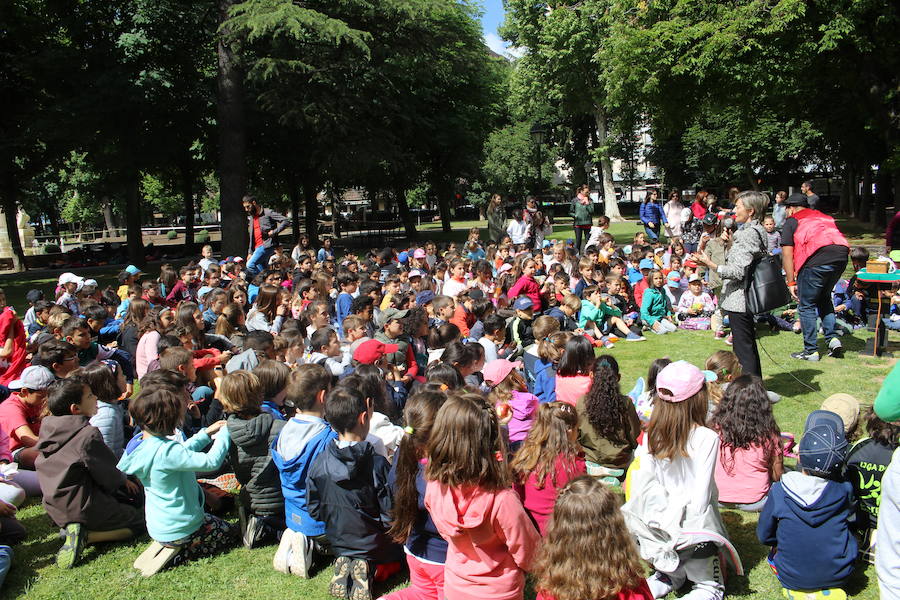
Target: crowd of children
{"points": [[445, 409]]}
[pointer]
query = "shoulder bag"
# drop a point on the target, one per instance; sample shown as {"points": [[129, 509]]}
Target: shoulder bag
{"points": [[765, 288]]}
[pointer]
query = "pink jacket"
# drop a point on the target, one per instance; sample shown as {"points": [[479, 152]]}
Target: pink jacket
{"points": [[491, 541], [146, 352], [526, 286], [570, 389]]}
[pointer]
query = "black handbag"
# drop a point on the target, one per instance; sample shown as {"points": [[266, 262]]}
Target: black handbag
{"points": [[765, 288]]}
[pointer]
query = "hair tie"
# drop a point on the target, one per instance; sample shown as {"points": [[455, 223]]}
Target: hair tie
{"points": [[547, 338], [499, 456], [444, 387], [409, 430], [604, 363]]}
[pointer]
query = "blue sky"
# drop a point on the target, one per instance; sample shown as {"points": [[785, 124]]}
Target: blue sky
{"points": [[492, 18]]}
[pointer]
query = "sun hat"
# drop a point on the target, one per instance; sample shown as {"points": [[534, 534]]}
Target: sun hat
{"points": [[371, 351], [497, 370], [33, 378], [680, 380], [523, 303], [845, 406], [822, 447]]}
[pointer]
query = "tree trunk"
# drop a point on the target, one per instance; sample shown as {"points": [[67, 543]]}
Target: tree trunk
{"points": [[854, 190], [311, 205], [752, 179], [133, 220], [108, 218], [610, 206], [187, 196], [408, 225], [232, 139], [882, 196], [444, 192], [10, 210], [865, 204], [53, 215]]}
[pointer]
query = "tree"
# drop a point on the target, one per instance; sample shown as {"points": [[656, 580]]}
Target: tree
{"points": [[510, 162]]}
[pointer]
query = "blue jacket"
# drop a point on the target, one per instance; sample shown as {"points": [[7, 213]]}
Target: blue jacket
{"points": [[807, 519], [545, 381], [110, 420], [168, 470], [424, 540], [298, 445], [652, 212], [342, 309]]}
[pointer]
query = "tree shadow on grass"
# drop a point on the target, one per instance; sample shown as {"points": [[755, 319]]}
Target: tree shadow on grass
{"points": [[742, 533], [794, 382]]}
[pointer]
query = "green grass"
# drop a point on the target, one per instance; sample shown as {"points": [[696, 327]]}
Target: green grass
{"points": [[106, 570]]}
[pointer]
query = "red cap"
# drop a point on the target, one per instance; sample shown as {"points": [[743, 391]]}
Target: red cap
{"points": [[372, 351]]}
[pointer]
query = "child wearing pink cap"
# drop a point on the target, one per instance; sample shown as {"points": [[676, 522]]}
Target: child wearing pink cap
{"points": [[510, 398], [674, 489]]}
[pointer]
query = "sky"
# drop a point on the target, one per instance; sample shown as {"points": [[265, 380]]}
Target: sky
{"points": [[490, 21]]}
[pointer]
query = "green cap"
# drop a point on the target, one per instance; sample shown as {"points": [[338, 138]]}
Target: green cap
{"points": [[887, 403]]}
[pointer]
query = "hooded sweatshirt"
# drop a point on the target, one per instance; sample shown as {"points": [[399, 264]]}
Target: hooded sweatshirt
{"points": [[806, 519], [491, 541], [301, 441], [174, 505], [78, 475], [347, 489], [253, 466], [545, 381]]}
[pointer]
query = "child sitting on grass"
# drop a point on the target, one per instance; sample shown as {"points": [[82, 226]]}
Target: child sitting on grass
{"points": [[599, 318], [656, 311], [176, 521], [82, 487]]}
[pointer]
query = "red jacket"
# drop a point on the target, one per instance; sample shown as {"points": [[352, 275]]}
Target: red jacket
{"points": [[529, 287], [815, 230]]}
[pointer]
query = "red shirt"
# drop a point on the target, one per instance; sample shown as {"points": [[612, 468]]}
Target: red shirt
{"points": [[12, 327], [257, 233], [13, 414], [538, 502]]}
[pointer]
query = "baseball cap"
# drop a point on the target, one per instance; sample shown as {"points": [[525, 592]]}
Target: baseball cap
{"points": [[796, 199], [523, 303], [371, 351], [674, 279], [476, 294], [546, 244], [659, 250], [680, 380], [34, 296], [646, 263], [70, 278], [497, 370], [710, 219], [414, 273], [822, 447], [392, 314], [694, 278], [626, 250], [403, 257], [424, 297], [90, 283], [203, 291], [887, 403], [824, 417], [845, 406], [504, 268], [238, 259], [133, 270], [33, 378], [419, 253], [690, 263]]}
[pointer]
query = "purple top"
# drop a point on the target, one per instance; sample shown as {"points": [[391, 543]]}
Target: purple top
{"points": [[523, 406]]}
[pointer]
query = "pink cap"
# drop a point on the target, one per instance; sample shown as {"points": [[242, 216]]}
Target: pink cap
{"points": [[415, 273], [419, 253], [678, 381], [496, 371], [504, 268]]}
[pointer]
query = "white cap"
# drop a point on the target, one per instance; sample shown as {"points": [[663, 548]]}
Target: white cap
{"points": [[694, 278], [70, 278], [89, 282], [34, 378]]}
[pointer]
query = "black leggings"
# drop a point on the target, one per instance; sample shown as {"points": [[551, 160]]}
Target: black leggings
{"points": [[743, 331], [581, 234]]}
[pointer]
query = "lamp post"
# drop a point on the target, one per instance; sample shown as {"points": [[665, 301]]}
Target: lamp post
{"points": [[538, 136]]}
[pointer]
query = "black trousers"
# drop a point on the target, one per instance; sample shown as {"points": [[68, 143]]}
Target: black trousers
{"points": [[743, 332]]}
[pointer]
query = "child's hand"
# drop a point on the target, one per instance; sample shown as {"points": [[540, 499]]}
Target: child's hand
{"points": [[225, 357], [194, 410], [133, 488], [215, 427]]}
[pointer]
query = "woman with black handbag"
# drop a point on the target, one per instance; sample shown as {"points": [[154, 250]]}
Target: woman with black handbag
{"points": [[749, 244]]}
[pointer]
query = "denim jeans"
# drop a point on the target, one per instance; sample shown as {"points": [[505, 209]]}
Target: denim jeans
{"points": [[259, 260], [814, 286], [652, 233]]}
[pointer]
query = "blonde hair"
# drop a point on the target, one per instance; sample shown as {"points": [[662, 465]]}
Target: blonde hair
{"points": [[724, 364], [547, 441], [551, 348], [241, 393], [586, 517]]}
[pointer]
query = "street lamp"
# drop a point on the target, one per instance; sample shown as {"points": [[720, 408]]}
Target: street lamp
{"points": [[538, 136]]}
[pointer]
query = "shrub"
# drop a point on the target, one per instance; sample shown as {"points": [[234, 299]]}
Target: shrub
{"points": [[202, 236], [52, 249], [172, 234]]}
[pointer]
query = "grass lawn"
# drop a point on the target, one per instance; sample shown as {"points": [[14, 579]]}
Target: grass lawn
{"points": [[106, 570]]}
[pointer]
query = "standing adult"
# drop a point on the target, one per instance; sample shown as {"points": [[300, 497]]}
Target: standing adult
{"points": [[748, 243], [496, 218], [811, 198], [672, 210], [582, 214], [652, 215], [814, 255], [539, 224], [264, 226]]}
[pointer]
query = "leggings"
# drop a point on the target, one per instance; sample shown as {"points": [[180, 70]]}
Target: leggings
{"points": [[212, 537], [426, 582], [581, 235]]}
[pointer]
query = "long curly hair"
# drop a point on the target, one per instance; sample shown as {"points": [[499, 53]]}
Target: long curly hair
{"points": [[547, 441], [418, 416], [743, 418], [604, 405], [587, 517]]}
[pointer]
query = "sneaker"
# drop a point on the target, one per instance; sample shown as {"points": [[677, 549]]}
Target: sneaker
{"points": [[810, 356], [835, 349], [301, 555], [661, 584], [283, 554], [608, 345], [361, 579], [730, 339], [719, 335], [70, 553], [340, 581], [254, 533], [633, 337]]}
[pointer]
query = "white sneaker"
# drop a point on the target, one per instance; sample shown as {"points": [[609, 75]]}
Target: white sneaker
{"points": [[705, 591], [301, 555], [281, 561], [661, 584]]}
